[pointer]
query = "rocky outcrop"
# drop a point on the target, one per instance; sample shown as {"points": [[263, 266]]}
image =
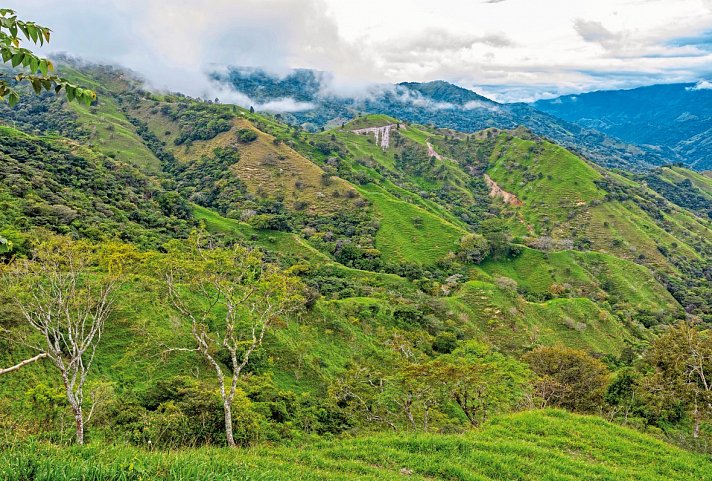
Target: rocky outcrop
{"points": [[382, 134], [497, 191]]}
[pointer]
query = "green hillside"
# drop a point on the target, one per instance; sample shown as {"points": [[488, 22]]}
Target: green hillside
{"points": [[537, 445], [432, 277], [410, 233]]}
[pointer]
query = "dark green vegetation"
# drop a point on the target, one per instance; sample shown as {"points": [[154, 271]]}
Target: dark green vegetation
{"points": [[675, 119], [550, 445], [444, 280], [57, 183]]}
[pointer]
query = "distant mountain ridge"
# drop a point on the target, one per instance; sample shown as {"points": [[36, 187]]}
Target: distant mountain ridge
{"points": [[674, 119], [439, 103]]}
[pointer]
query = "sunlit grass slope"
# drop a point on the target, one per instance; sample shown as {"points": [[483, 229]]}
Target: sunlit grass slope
{"points": [[540, 445]]}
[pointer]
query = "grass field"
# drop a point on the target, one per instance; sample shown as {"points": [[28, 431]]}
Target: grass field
{"points": [[561, 199], [408, 232], [111, 132], [698, 179], [514, 324], [546, 445], [593, 273]]}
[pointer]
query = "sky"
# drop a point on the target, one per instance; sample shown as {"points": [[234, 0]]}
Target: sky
{"points": [[508, 50]]}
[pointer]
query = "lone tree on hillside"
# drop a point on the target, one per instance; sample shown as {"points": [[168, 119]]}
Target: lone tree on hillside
{"points": [[229, 298], [568, 378], [40, 69], [65, 293]]}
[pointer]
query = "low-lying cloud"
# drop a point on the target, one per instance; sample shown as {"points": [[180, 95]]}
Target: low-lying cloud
{"points": [[227, 95], [701, 85]]}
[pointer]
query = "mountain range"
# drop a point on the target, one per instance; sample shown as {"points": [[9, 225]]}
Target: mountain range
{"points": [[674, 120], [653, 126]]}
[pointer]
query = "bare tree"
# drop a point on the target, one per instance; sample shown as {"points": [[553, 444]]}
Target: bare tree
{"points": [[240, 296], [65, 298]]}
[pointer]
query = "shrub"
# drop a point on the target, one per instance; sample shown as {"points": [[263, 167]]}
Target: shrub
{"points": [[246, 135]]}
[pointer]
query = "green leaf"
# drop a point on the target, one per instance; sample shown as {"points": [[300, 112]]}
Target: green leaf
{"points": [[25, 30], [13, 98], [43, 67], [17, 59]]}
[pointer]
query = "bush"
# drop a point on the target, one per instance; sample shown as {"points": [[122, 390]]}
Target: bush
{"points": [[246, 135], [568, 378], [473, 248]]}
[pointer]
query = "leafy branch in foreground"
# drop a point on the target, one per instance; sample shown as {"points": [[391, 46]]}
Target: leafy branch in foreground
{"points": [[11, 52]]}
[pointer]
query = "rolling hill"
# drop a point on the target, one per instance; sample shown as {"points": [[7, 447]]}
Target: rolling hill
{"points": [[412, 242], [438, 103]]}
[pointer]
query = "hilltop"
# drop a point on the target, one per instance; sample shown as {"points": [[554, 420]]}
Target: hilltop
{"points": [[438, 103]]}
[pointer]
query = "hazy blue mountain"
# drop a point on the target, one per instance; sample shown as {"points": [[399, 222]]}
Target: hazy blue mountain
{"points": [[674, 119], [438, 103]]}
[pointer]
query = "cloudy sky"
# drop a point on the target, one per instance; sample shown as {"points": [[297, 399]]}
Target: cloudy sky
{"points": [[506, 49]]}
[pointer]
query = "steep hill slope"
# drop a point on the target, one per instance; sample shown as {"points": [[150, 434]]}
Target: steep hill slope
{"points": [[55, 182], [411, 241], [548, 445]]}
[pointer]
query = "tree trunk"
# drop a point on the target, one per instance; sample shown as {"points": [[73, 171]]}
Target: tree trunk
{"points": [[228, 424], [696, 429], [76, 408], [79, 421]]}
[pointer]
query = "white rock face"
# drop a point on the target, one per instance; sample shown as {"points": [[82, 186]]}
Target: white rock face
{"points": [[382, 134]]}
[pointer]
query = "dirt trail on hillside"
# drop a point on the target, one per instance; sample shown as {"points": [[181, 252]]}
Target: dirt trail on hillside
{"points": [[497, 191], [432, 153]]}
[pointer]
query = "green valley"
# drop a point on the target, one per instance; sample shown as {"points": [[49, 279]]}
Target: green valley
{"points": [[375, 300]]}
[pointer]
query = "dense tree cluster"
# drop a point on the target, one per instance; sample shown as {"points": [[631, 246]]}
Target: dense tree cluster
{"points": [[72, 190], [197, 121]]}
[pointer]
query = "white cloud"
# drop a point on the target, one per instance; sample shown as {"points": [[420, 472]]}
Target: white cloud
{"points": [[701, 85], [515, 49], [408, 96], [227, 95], [285, 105], [476, 104]]}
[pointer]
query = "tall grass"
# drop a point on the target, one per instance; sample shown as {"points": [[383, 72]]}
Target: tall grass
{"points": [[544, 446]]}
